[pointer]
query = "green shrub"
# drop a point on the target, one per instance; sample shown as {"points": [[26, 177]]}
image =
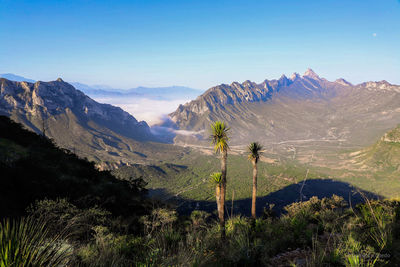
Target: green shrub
{"points": [[108, 249]]}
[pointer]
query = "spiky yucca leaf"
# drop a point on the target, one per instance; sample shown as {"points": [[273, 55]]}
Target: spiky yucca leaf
{"points": [[254, 150], [26, 242], [216, 178], [219, 136]]}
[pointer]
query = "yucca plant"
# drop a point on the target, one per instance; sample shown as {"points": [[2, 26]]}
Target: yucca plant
{"points": [[219, 137], [26, 242], [254, 153]]}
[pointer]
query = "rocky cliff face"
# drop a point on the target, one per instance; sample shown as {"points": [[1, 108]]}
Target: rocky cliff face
{"points": [[100, 132], [305, 107]]}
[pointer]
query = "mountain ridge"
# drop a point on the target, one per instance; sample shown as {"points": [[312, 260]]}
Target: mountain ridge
{"points": [[291, 109], [41, 97]]}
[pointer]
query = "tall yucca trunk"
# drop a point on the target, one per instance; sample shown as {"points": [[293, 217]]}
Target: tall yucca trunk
{"points": [[221, 210], [254, 198]]}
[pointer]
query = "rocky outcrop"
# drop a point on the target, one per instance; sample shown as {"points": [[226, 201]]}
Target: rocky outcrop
{"points": [[380, 86], [392, 136]]}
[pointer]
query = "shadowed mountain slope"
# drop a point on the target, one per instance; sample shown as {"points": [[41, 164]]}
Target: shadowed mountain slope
{"points": [[33, 168]]}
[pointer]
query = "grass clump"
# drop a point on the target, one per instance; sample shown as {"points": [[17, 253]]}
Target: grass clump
{"points": [[27, 242]]}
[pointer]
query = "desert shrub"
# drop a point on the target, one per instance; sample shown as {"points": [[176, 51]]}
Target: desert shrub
{"points": [[160, 218], [268, 211], [60, 214], [237, 223], [109, 249], [199, 219]]}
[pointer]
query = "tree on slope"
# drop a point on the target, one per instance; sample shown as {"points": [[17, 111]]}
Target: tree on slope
{"points": [[220, 139]]}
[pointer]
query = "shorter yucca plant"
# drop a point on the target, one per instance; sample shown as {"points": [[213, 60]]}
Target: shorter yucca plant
{"points": [[217, 180], [26, 242]]}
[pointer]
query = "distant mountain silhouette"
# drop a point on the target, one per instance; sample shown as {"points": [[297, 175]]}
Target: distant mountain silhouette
{"points": [[160, 93], [16, 78]]}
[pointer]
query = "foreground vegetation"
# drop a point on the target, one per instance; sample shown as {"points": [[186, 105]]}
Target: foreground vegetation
{"points": [[317, 232], [58, 210]]}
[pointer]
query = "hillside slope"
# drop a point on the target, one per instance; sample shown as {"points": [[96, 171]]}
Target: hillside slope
{"points": [[384, 155], [32, 168]]}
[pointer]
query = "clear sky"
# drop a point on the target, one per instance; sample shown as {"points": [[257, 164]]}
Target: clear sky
{"points": [[199, 43]]}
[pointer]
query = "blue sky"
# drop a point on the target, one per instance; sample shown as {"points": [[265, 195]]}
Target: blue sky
{"points": [[199, 43]]}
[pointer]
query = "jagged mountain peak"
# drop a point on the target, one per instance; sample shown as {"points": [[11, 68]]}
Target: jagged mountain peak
{"points": [[311, 74], [249, 83], [294, 76], [343, 82], [283, 77]]}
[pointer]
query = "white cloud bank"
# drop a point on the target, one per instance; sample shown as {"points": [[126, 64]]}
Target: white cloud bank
{"points": [[188, 133], [150, 110]]}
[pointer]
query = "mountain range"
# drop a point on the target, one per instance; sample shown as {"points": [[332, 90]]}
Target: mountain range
{"points": [[299, 109], [303, 110]]}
